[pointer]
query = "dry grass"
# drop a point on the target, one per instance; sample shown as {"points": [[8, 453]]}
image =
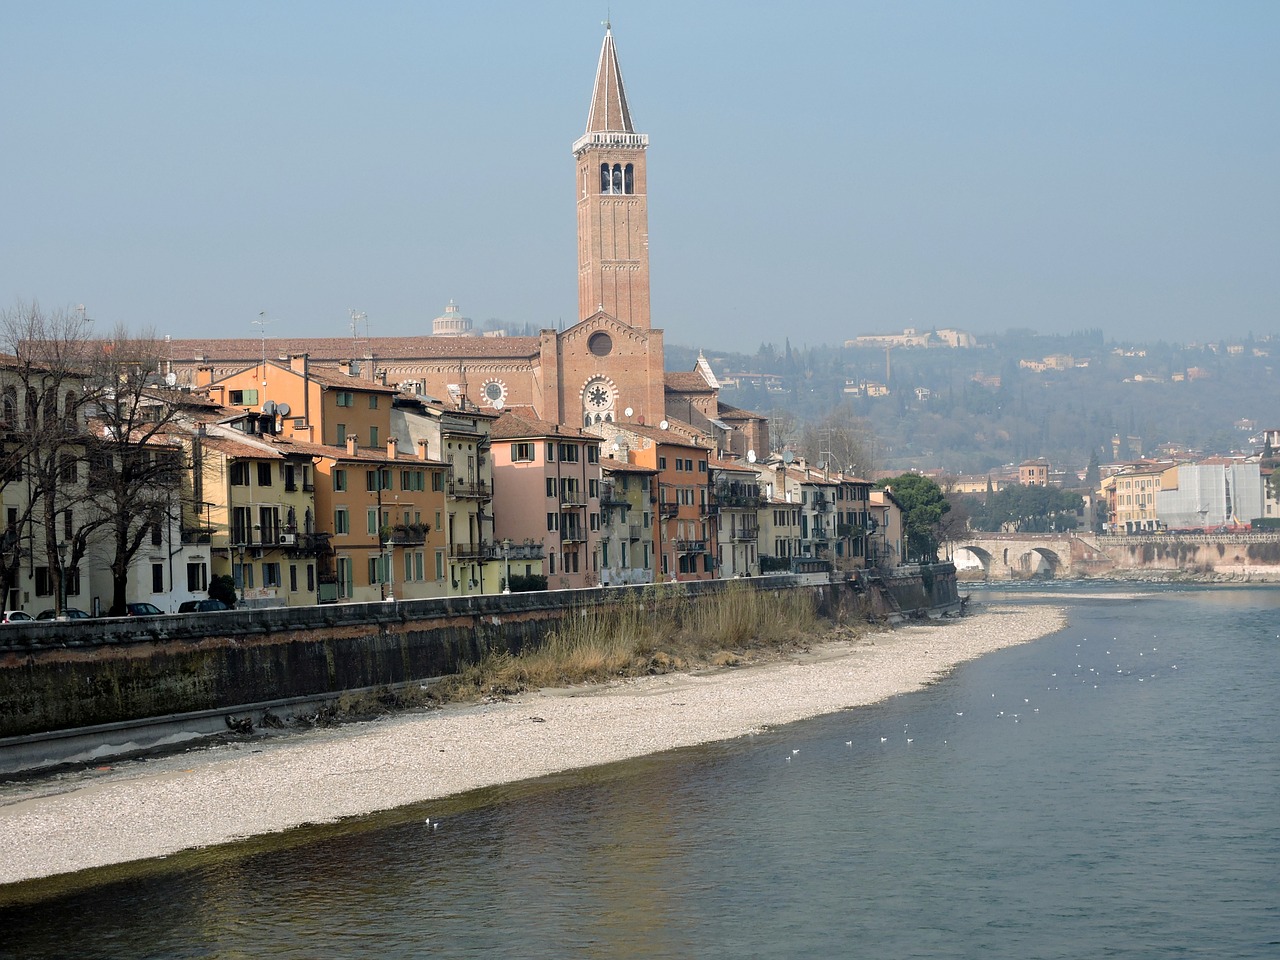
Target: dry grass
{"points": [[660, 631]]}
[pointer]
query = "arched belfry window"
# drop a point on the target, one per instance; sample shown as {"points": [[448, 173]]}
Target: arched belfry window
{"points": [[617, 179]]}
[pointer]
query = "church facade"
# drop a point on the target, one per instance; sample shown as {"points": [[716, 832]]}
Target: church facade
{"points": [[606, 368]]}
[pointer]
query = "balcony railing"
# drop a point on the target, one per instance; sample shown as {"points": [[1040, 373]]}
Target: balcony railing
{"points": [[197, 534], [572, 498], [691, 546], [750, 501], [471, 551], [477, 490], [411, 534], [746, 533], [668, 510], [634, 531], [573, 535]]}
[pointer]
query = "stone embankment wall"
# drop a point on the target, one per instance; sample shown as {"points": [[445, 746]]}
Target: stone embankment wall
{"points": [[77, 674], [1249, 556]]}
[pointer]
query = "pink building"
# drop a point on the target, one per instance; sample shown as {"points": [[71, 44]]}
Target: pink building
{"points": [[546, 488]]}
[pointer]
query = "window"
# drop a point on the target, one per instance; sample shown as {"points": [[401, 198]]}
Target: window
{"points": [[551, 486], [662, 463], [339, 480], [71, 581], [375, 570], [157, 535], [44, 582], [373, 401], [595, 521], [412, 480], [239, 474], [439, 564], [551, 451], [197, 577], [345, 398], [293, 578], [373, 436], [271, 575], [522, 453], [343, 567], [157, 578], [593, 488], [341, 521], [373, 521], [68, 530], [593, 454], [437, 484], [311, 578], [569, 452], [341, 433], [379, 479], [243, 398], [264, 474], [553, 521], [69, 469], [702, 466]]}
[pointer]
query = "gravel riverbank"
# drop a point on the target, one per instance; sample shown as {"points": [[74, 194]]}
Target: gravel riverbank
{"points": [[202, 798]]}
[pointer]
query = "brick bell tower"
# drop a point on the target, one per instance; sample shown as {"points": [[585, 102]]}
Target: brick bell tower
{"points": [[613, 210]]}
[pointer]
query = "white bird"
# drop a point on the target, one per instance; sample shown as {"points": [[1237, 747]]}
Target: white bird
{"points": [[910, 740], [848, 743], [797, 750], [960, 713], [884, 739]]}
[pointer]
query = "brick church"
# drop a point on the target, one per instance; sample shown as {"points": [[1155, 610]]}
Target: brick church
{"points": [[606, 368]]}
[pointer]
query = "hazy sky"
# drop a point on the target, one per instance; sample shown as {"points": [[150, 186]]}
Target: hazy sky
{"points": [[816, 170]]}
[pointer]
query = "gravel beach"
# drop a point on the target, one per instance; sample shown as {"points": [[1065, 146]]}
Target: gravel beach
{"points": [[206, 797]]}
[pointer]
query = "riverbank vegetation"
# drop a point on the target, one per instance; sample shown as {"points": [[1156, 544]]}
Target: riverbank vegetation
{"points": [[660, 631]]}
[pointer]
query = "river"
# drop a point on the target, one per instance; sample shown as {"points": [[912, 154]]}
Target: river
{"points": [[1110, 790]]}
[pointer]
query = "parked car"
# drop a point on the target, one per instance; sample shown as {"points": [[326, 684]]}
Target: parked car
{"points": [[201, 606], [68, 613], [143, 610], [17, 616]]}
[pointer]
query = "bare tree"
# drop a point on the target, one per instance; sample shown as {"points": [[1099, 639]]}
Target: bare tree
{"points": [[135, 470], [44, 391], [842, 440]]}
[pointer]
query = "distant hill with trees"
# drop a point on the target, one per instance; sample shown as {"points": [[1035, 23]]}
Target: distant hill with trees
{"points": [[1016, 396]]}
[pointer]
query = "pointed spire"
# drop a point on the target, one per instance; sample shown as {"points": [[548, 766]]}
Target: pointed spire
{"points": [[609, 110]]}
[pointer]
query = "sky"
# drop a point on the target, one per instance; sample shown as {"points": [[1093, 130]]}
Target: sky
{"points": [[816, 170]]}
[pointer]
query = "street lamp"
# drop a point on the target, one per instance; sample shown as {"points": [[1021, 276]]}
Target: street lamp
{"points": [[388, 558], [240, 552], [62, 579], [506, 559]]}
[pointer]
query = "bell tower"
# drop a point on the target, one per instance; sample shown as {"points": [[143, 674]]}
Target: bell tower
{"points": [[613, 209]]}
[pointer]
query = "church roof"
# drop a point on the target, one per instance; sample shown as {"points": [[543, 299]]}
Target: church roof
{"points": [[249, 349], [678, 381], [522, 425], [609, 110]]}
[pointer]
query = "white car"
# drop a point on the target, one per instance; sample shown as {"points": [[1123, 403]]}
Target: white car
{"points": [[17, 616]]}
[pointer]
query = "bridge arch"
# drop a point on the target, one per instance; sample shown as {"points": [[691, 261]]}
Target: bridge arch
{"points": [[970, 559], [1037, 562]]}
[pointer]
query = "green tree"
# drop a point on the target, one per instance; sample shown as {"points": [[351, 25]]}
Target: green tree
{"points": [[923, 507]]}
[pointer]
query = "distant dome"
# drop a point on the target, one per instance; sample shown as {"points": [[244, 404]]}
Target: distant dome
{"points": [[452, 324]]}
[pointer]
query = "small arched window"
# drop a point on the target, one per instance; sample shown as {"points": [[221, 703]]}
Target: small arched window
{"points": [[69, 408], [629, 179], [10, 406], [606, 184], [617, 178]]}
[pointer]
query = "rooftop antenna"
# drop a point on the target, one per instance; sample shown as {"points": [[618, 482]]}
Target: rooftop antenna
{"points": [[262, 322], [358, 317]]}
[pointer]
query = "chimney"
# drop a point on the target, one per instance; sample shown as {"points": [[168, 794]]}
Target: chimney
{"points": [[298, 363], [392, 445], [204, 376], [423, 450], [353, 446]]}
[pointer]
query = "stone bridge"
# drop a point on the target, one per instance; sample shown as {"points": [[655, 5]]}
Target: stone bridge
{"points": [[1016, 556]]}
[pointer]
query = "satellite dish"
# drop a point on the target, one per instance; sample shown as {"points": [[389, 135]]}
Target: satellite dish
{"points": [[283, 409], [787, 456], [269, 407], [498, 404], [171, 378], [662, 425], [627, 411], [751, 456], [616, 448]]}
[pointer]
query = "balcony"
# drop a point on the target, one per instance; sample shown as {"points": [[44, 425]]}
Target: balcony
{"points": [[739, 501], [573, 535], [192, 535], [691, 546], [305, 544], [471, 551], [746, 534], [405, 534], [572, 498], [470, 489], [610, 499], [634, 531], [668, 510]]}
